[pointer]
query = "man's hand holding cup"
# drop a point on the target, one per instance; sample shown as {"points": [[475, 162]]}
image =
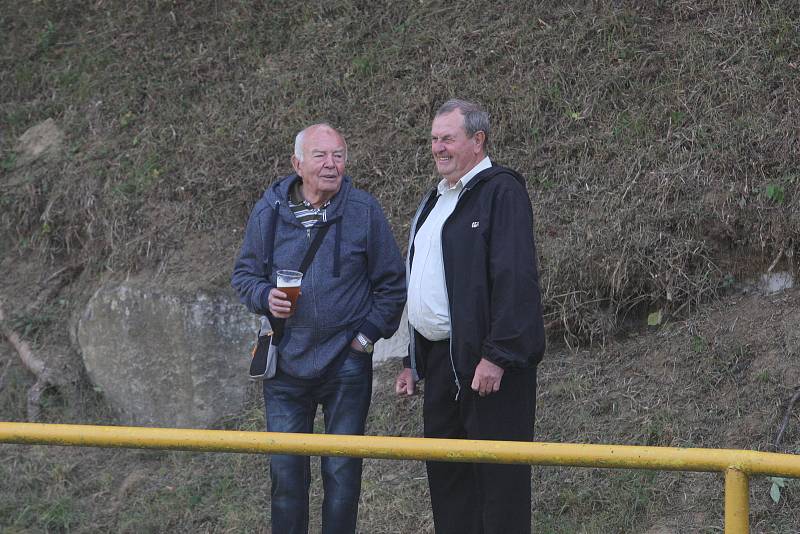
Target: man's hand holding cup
{"points": [[283, 299]]}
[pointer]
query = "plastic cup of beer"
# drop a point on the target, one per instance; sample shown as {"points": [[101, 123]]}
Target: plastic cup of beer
{"points": [[289, 283]]}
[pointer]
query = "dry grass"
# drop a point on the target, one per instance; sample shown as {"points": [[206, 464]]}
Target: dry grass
{"points": [[659, 140], [715, 380], [660, 144]]}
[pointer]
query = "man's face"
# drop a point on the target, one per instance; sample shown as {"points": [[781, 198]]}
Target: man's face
{"points": [[322, 168], [453, 152]]}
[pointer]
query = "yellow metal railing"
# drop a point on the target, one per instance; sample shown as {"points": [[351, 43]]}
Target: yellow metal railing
{"points": [[737, 465]]}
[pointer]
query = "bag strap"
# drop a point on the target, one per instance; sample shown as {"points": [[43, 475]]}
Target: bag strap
{"points": [[312, 249], [278, 324]]}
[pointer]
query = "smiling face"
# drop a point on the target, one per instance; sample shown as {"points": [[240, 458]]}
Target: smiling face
{"points": [[454, 152], [322, 166]]}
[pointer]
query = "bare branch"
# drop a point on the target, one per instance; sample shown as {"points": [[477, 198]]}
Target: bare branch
{"points": [[33, 363], [785, 421]]}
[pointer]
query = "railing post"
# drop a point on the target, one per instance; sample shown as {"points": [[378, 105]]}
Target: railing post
{"points": [[737, 502]]}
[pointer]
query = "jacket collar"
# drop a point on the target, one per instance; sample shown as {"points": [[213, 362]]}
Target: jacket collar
{"points": [[279, 193], [487, 174]]}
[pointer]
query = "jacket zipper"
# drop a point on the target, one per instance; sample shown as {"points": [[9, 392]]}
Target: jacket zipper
{"points": [[412, 235], [450, 313], [447, 294], [314, 303]]}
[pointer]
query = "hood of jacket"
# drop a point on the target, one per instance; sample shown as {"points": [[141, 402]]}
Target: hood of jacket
{"points": [[278, 193], [276, 198]]}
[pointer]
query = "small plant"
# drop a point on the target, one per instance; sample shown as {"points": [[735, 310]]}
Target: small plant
{"points": [[699, 344], [778, 483], [362, 66], [31, 327], [542, 181], [47, 38], [775, 193], [140, 178], [126, 119], [655, 318], [728, 281], [677, 117], [632, 126], [9, 162]]}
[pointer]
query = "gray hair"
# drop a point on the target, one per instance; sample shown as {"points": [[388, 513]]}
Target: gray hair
{"points": [[300, 139], [475, 118]]}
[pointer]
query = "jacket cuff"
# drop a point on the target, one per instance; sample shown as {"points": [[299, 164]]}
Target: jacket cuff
{"points": [[263, 301], [407, 362], [369, 330], [498, 356]]}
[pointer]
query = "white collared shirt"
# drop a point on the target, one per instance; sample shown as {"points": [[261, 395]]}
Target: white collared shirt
{"points": [[428, 309]]}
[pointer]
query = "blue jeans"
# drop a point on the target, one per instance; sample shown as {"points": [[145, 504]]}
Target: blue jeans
{"points": [[291, 404]]}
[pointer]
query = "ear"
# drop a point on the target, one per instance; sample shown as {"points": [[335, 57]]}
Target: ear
{"points": [[296, 164], [480, 139]]}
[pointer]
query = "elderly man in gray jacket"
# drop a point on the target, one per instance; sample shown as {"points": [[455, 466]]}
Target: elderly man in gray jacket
{"points": [[352, 294]]}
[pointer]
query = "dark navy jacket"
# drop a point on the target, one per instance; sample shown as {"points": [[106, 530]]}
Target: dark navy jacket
{"points": [[356, 282], [491, 274]]}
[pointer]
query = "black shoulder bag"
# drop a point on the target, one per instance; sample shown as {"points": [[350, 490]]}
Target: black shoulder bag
{"points": [[265, 352]]}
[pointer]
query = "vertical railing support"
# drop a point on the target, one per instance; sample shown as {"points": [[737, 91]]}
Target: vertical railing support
{"points": [[737, 502]]}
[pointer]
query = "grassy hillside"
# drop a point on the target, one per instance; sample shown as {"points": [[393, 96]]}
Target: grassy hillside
{"points": [[660, 141]]}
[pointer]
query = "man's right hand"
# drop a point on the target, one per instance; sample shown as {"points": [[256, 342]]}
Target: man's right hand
{"points": [[279, 305], [404, 385]]}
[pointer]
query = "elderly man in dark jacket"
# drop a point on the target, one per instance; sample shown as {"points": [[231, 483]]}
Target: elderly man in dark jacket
{"points": [[477, 331], [351, 295]]}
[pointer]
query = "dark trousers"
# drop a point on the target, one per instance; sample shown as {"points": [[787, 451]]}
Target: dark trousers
{"points": [[291, 405], [477, 498]]}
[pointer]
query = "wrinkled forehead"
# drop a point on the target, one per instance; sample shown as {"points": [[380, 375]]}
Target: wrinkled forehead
{"points": [[451, 124], [325, 140]]}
